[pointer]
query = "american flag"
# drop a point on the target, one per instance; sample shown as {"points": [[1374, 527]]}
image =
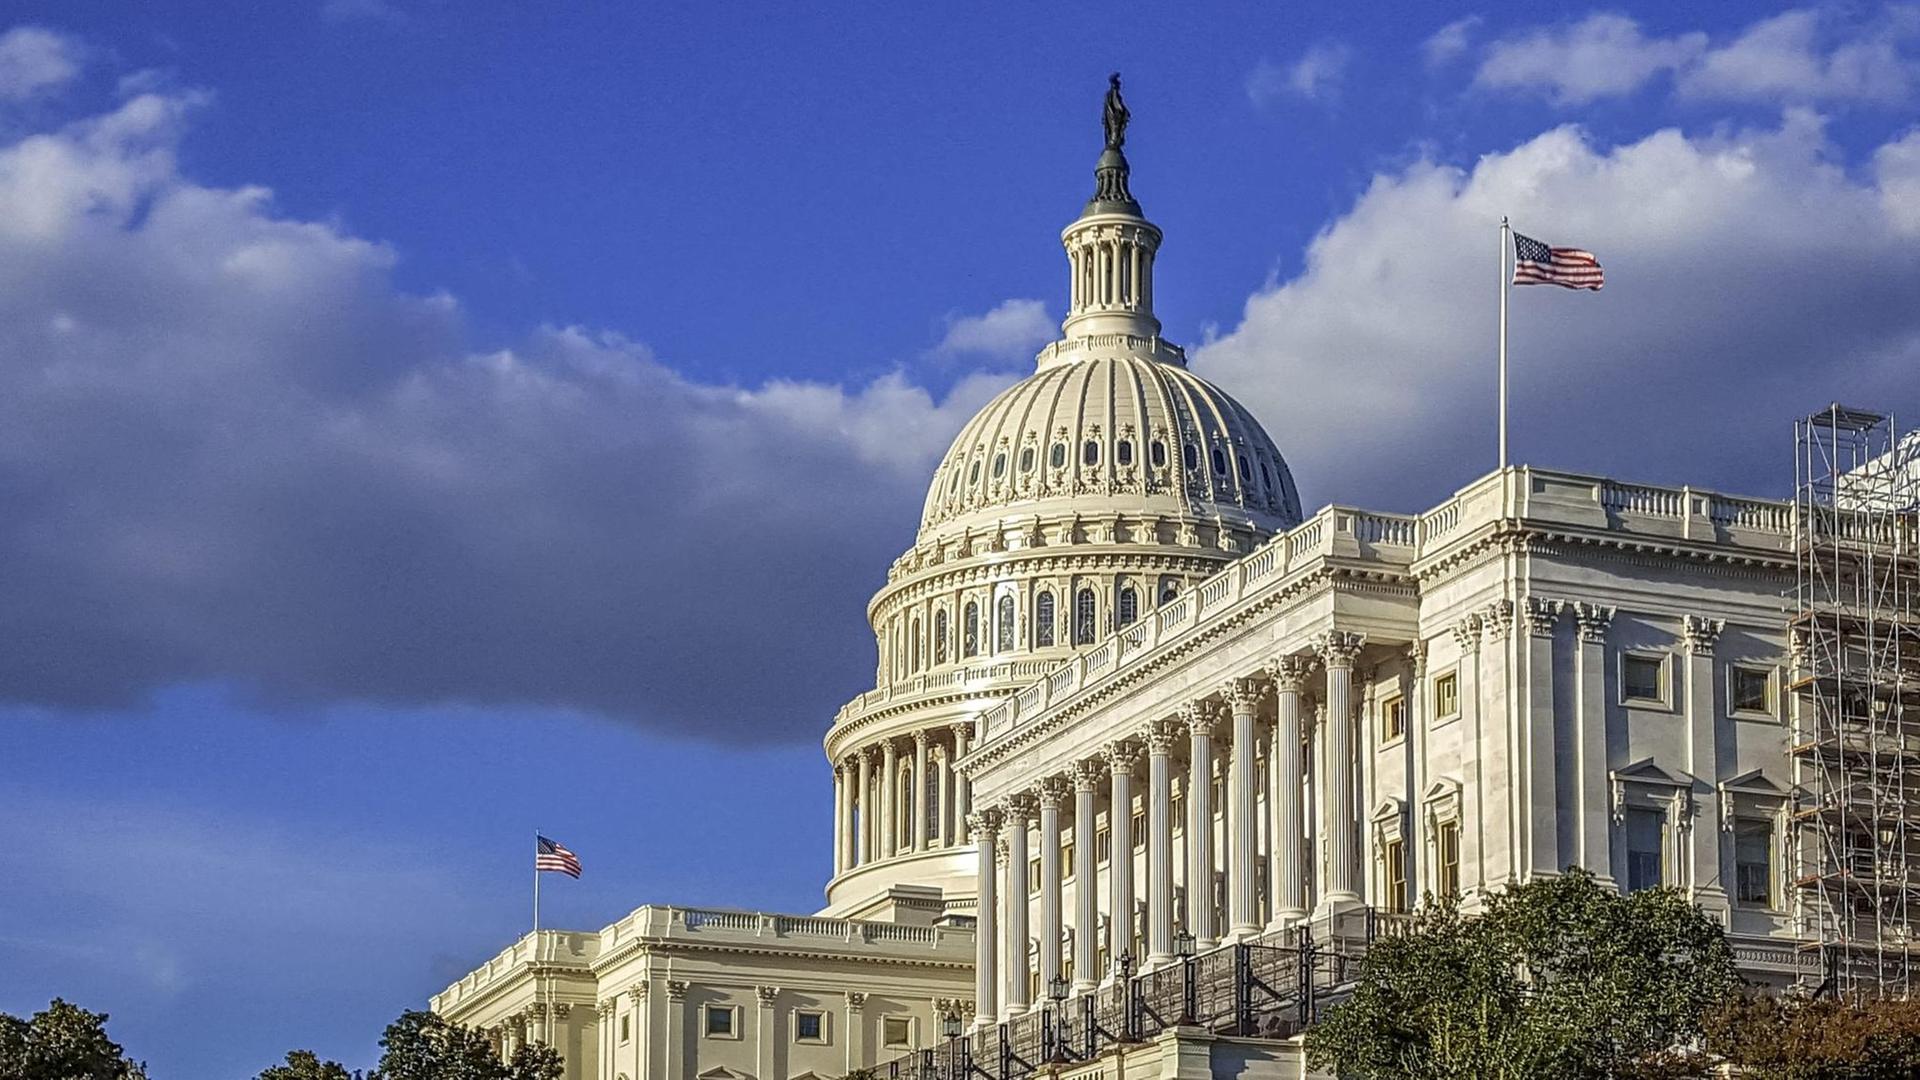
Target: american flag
{"points": [[1534, 263], [551, 856]]}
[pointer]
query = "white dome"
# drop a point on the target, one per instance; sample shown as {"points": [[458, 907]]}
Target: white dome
{"points": [[1110, 422]]}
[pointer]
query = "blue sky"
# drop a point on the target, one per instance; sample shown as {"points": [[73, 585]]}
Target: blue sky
{"points": [[423, 422]]}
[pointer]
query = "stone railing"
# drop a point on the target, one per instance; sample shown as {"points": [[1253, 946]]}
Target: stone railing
{"points": [[958, 679], [1532, 496], [552, 948], [656, 922], [1128, 343]]}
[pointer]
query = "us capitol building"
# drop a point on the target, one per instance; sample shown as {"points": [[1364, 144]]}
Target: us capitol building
{"points": [[1134, 713]]}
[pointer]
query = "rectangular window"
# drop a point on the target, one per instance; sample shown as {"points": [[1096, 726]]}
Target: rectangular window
{"points": [[720, 1022], [1753, 862], [897, 1032], [1139, 830], [1446, 694], [1066, 861], [809, 1027], [1179, 813], [1646, 849], [626, 1028], [1751, 689], [1393, 718], [1447, 873], [1643, 678], [1395, 854], [1103, 845], [1033, 875]]}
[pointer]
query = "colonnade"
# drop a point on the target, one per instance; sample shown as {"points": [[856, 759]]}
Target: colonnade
{"points": [[1228, 721], [899, 795]]}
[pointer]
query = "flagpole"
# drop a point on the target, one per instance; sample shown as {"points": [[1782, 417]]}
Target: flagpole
{"points": [[1505, 229], [536, 886]]}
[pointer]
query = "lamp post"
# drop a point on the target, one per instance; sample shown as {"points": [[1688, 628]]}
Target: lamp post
{"points": [[1056, 1020], [1183, 948]]}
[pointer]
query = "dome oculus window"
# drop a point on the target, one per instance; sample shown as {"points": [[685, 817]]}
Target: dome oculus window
{"points": [[1157, 453], [1026, 460], [1219, 461], [1043, 620], [1246, 472], [1058, 456], [999, 465], [1266, 478], [1090, 453], [1190, 454], [1123, 453], [973, 474]]}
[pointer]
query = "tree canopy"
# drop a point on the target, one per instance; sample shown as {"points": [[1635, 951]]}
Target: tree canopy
{"points": [[1771, 1037], [62, 1042], [424, 1046], [1558, 977], [306, 1065]]}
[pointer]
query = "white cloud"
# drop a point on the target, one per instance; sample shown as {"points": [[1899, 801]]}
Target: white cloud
{"points": [[1602, 55], [1315, 76], [1451, 41], [1750, 278], [1012, 330], [243, 454], [33, 60], [1897, 170], [1800, 56]]}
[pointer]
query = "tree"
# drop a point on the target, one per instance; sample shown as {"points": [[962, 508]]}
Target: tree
{"points": [[62, 1042], [1558, 977], [1770, 1037], [425, 1046], [306, 1065]]}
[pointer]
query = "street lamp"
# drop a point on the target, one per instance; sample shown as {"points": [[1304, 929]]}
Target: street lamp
{"points": [[1056, 1020], [1183, 948], [1183, 943]]}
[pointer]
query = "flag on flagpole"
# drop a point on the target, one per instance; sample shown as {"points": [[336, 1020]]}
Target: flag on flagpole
{"points": [[1535, 263], [549, 855]]}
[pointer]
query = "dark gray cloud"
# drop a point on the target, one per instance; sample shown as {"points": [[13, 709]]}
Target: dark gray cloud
{"points": [[230, 449]]}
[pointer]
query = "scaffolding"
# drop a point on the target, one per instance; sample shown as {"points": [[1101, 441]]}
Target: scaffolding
{"points": [[1855, 641]]}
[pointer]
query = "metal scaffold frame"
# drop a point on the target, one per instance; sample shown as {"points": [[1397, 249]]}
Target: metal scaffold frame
{"points": [[1855, 680]]}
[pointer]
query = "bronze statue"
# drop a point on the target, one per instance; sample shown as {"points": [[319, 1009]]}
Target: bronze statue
{"points": [[1116, 114]]}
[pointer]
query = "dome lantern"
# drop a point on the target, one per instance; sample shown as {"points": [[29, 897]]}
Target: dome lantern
{"points": [[1110, 249]]}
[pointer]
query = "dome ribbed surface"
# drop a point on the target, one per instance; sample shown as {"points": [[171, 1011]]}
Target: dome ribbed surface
{"points": [[1111, 434]]}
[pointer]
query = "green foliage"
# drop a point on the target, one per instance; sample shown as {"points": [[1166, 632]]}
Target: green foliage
{"points": [[306, 1065], [1558, 977], [1780, 1038], [423, 1046], [62, 1042]]}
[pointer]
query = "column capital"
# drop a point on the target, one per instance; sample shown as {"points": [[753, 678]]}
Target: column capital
{"points": [[561, 1009], [1241, 694], [1290, 672], [922, 739], [856, 1000], [1086, 775], [676, 990], [1542, 615], [1338, 648], [1417, 658], [1497, 621], [1051, 792], [1018, 809], [889, 748], [637, 993], [1200, 717], [961, 729], [1700, 634], [984, 823], [1593, 620], [1466, 632], [1122, 756], [1162, 736], [766, 994]]}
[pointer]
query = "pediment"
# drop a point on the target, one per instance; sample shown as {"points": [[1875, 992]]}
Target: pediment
{"points": [[1645, 771], [1390, 809], [1756, 782], [721, 1072]]}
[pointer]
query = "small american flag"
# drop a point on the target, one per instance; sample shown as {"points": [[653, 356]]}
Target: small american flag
{"points": [[1534, 263], [551, 856]]}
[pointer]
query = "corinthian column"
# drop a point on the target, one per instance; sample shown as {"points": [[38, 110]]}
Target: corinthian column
{"points": [[889, 799], [1337, 651], [1161, 738], [1243, 898], [1286, 862], [1086, 876], [1019, 815], [986, 945], [1050, 792], [1200, 719], [962, 791], [1122, 759], [918, 795], [866, 807], [839, 820]]}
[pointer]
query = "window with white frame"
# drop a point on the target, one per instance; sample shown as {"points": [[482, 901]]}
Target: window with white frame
{"points": [[722, 1022], [1754, 862], [1446, 694], [1753, 808], [1446, 869], [1084, 623], [896, 1032], [1004, 631], [1649, 804], [1645, 832], [1750, 690], [1442, 805], [1043, 620], [1643, 678], [809, 1026], [1393, 718], [1394, 882]]}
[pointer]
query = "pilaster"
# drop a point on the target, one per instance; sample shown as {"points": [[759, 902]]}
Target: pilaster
{"points": [[1540, 816], [1592, 850], [1699, 636]]}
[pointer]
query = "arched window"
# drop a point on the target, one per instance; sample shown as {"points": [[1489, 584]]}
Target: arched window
{"points": [[1003, 632], [1057, 457], [1123, 453], [1190, 454], [1043, 620], [1129, 606], [1246, 471], [1169, 590], [913, 645], [1026, 460], [970, 631], [1083, 622], [940, 636], [999, 465], [1090, 453], [1219, 461], [1157, 453], [973, 474]]}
